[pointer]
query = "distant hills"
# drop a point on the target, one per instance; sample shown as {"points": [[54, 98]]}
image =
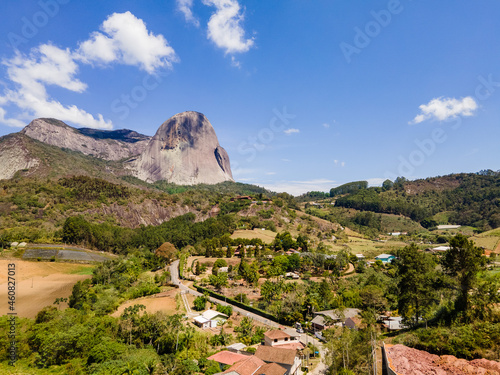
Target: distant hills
{"points": [[184, 151]]}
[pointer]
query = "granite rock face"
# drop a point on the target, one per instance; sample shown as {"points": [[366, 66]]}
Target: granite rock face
{"points": [[108, 145], [185, 151]]}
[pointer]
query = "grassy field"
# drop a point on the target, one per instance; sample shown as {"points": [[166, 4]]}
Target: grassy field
{"points": [[266, 236]]}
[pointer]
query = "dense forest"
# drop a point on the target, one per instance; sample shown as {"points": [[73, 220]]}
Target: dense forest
{"points": [[469, 199]]}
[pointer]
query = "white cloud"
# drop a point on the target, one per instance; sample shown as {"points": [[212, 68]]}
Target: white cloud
{"points": [[270, 173], [301, 187], [186, 8], [291, 131], [224, 27], [442, 109], [128, 42], [46, 65], [285, 160], [326, 125]]}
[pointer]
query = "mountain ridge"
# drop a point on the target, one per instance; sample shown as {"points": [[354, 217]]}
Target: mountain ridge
{"points": [[184, 151]]}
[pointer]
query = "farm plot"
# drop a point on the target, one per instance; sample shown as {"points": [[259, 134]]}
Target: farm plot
{"points": [[39, 284], [62, 254]]}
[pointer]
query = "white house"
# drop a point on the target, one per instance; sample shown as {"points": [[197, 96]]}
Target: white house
{"points": [[210, 319], [282, 339]]}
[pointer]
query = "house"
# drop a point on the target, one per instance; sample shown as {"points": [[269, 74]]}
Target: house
{"points": [[210, 319], [224, 269], [292, 275], [360, 256], [247, 366], [236, 348], [283, 339], [441, 248], [385, 258], [253, 365], [329, 318], [444, 227], [286, 358], [353, 323], [225, 358], [393, 323]]}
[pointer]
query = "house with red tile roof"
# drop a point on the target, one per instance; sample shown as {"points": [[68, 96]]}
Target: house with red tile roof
{"points": [[225, 358], [287, 340], [286, 358]]}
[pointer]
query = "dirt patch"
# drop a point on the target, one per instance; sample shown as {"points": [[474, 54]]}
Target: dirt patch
{"points": [[159, 302], [27, 270], [38, 284], [409, 361]]}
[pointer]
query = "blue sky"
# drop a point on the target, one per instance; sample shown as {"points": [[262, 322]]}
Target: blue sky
{"points": [[304, 95]]}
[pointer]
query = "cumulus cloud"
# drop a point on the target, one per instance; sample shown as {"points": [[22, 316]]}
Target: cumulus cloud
{"points": [[224, 27], [186, 8], [442, 109], [46, 65], [291, 131], [126, 40]]}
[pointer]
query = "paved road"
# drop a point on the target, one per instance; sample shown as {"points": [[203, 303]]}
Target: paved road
{"points": [[174, 272], [319, 370]]}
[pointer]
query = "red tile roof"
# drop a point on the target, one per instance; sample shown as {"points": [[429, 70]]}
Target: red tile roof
{"points": [[227, 358], [276, 334], [247, 366], [271, 369], [276, 354]]}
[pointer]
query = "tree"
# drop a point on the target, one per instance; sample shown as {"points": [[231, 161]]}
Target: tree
{"points": [[415, 292], [218, 281], [166, 251], [463, 261], [199, 303]]}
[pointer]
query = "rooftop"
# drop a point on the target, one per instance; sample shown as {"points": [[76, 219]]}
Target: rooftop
{"points": [[277, 355], [247, 366], [227, 358], [276, 334]]}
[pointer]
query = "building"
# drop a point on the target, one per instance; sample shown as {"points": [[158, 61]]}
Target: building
{"points": [[441, 248], [225, 358], [253, 365], [283, 339], [329, 318], [210, 319], [237, 347], [286, 358], [385, 258]]}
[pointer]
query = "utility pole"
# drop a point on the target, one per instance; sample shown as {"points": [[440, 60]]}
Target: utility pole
{"points": [[374, 352]]}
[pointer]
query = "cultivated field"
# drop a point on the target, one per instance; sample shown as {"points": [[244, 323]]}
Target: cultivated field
{"points": [[266, 236], [38, 284]]}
